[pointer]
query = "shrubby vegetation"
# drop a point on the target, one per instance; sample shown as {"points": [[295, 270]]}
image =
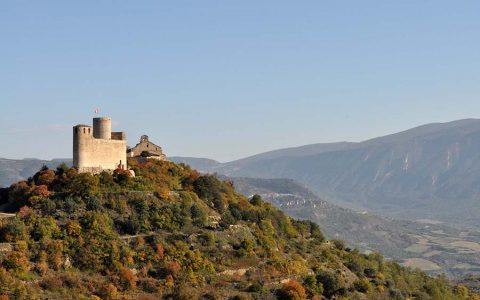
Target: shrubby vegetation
{"points": [[173, 233]]}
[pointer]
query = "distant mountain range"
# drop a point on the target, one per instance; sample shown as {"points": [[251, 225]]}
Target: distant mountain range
{"points": [[12, 170], [431, 171]]}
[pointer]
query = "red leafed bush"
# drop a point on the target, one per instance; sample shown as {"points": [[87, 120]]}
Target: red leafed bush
{"points": [[173, 268], [41, 190], [24, 211]]}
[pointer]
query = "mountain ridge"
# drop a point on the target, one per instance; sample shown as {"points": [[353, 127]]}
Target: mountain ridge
{"points": [[414, 173]]}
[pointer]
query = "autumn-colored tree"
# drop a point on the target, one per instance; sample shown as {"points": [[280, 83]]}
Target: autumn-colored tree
{"points": [[45, 177], [41, 191], [42, 265], [16, 261], [128, 279], [55, 250], [110, 292], [173, 268], [160, 251], [24, 212], [292, 290]]}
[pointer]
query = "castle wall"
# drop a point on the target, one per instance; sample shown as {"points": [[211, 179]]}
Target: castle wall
{"points": [[107, 154], [119, 136], [93, 155]]}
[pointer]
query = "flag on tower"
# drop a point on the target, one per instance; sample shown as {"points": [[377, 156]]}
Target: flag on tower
{"points": [[96, 110]]}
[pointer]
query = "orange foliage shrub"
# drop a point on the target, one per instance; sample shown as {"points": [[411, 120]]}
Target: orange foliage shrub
{"points": [[173, 268], [160, 250], [45, 177], [127, 278], [292, 290], [16, 261], [111, 292]]}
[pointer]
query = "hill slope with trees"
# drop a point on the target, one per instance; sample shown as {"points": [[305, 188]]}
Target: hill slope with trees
{"points": [[171, 233]]}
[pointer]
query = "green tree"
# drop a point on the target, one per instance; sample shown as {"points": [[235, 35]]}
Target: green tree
{"points": [[256, 200], [329, 282]]}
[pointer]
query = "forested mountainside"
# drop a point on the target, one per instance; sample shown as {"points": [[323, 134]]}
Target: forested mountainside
{"points": [[432, 171], [172, 233], [434, 247]]}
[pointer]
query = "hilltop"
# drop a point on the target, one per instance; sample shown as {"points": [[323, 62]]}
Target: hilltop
{"points": [[175, 234]]}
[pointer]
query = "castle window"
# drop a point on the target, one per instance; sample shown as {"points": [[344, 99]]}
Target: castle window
{"points": [[83, 130], [88, 130]]}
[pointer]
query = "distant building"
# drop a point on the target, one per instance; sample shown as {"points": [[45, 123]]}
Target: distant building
{"points": [[97, 148], [145, 148]]}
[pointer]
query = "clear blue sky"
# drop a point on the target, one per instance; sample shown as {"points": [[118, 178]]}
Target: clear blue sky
{"points": [[227, 79]]}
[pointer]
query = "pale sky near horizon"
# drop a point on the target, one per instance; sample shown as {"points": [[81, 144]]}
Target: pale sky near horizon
{"points": [[228, 79]]}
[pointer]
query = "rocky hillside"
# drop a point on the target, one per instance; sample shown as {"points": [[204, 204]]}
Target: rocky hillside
{"points": [[432, 171], [171, 233]]}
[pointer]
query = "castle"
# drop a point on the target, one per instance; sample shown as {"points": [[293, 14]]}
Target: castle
{"points": [[97, 148]]}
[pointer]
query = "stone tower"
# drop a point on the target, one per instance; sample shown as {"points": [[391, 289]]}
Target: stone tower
{"points": [[97, 148]]}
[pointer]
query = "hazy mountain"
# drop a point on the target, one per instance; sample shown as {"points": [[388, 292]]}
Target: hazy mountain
{"points": [[201, 164], [12, 170], [436, 248], [432, 171]]}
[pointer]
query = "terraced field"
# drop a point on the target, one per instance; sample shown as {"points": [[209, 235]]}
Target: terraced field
{"points": [[459, 252]]}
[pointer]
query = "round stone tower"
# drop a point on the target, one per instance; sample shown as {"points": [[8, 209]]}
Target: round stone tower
{"points": [[81, 135], [102, 128]]}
